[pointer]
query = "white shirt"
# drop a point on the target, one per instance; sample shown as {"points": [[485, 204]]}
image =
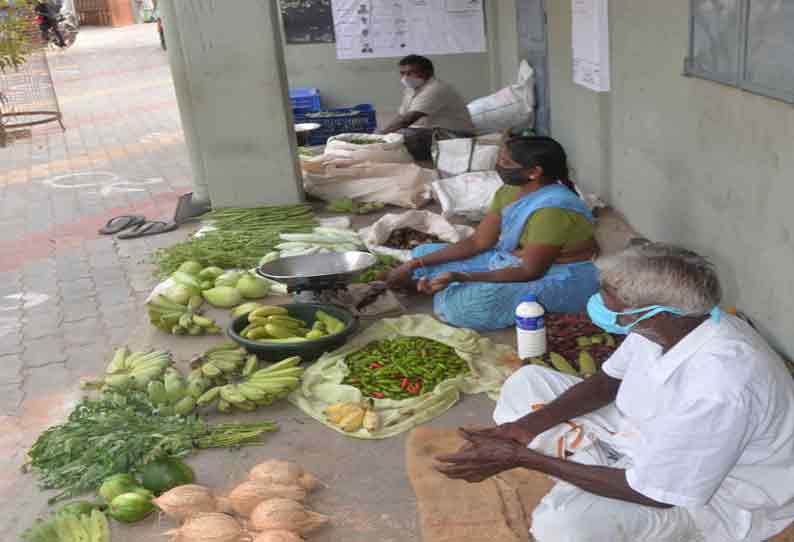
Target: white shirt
{"points": [[442, 105], [709, 426]]}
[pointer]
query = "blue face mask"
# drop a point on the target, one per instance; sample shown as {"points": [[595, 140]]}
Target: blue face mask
{"points": [[608, 320]]}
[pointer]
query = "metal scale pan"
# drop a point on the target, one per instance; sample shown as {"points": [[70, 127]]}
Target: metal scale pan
{"points": [[317, 272]]}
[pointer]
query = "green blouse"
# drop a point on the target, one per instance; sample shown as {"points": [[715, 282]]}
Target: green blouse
{"points": [[549, 226]]}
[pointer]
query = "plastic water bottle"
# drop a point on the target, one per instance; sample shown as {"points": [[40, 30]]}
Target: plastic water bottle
{"points": [[530, 328]]}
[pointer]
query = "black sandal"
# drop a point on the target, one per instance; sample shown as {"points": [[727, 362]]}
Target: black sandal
{"points": [[153, 227], [121, 223]]}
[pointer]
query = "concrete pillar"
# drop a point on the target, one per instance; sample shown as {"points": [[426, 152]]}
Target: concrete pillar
{"points": [[228, 66]]}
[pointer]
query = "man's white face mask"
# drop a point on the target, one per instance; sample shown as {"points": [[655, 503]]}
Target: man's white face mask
{"points": [[412, 82]]}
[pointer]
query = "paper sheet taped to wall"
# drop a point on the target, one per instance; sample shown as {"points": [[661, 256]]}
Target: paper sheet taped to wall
{"points": [[395, 28], [591, 44]]}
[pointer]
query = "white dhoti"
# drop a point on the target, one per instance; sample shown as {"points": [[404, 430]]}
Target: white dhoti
{"points": [[567, 513]]}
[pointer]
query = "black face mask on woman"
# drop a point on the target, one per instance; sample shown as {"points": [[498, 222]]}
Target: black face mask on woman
{"points": [[512, 176]]}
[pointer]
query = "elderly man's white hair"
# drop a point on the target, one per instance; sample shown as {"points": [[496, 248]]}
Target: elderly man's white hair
{"points": [[662, 274]]}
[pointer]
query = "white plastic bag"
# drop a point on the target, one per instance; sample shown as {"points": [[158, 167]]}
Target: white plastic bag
{"points": [[468, 195], [388, 148], [431, 223], [462, 155], [511, 107], [404, 185]]}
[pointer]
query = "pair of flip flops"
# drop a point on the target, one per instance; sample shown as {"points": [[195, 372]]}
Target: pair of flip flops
{"points": [[137, 225]]}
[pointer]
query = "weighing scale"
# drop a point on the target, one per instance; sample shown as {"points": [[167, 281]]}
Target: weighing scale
{"points": [[304, 130], [309, 276]]}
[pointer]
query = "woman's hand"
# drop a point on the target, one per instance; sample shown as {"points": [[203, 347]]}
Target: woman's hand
{"points": [[401, 277]]}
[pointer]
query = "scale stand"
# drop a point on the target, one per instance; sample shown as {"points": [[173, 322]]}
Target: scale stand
{"points": [[310, 277]]}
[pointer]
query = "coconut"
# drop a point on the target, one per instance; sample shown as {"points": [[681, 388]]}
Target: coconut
{"points": [[278, 471], [287, 515], [277, 536], [185, 501], [244, 498], [212, 527]]}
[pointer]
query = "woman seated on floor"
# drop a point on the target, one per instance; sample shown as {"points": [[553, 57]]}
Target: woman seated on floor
{"points": [[536, 239]]}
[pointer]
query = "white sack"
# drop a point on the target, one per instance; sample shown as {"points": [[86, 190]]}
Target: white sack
{"points": [[425, 221], [468, 195], [404, 185], [388, 148], [511, 107], [462, 155]]}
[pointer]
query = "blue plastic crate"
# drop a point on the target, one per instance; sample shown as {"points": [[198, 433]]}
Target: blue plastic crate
{"points": [[304, 99], [359, 119]]}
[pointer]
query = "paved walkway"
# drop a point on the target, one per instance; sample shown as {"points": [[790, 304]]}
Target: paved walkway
{"points": [[67, 294]]}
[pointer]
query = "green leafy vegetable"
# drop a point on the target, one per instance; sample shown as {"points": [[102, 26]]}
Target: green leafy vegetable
{"points": [[384, 265], [120, 434], [240, 239]]}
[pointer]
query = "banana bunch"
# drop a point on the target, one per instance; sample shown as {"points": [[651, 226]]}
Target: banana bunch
{"points": [[256, 387], [352, 416], [135, 369], [175, 396], [178, 319], [223, 361], [85, 528]]}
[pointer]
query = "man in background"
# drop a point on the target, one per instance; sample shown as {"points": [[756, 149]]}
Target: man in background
{"points": [[428, 104]]}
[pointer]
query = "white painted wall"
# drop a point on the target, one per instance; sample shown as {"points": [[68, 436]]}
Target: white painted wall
{"points": [[687, 160], [350, 82]]}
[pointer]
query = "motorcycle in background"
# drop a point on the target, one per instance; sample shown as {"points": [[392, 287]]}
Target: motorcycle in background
{"points": [[55, 17]]}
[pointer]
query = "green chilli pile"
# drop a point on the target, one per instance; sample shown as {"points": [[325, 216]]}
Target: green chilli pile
{"points": [[402, 368], [240, 238]]}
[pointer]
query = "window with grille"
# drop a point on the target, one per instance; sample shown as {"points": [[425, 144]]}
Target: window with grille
{"points": [[748, 44]]}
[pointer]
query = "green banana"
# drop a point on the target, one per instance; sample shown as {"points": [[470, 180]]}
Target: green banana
{"points": [[251, 391], [196, 387], [209, 396], [117, 363], [195, 374], [156, 392], [283, 364], [76, 528], [210, 370], [202, 321], [250, 366], [119, 382], [185, 406], [174, 386], [224, 406], [101, 529], [245, 308], [267, 310], [186, 320], [230, 394], [561, 364]]}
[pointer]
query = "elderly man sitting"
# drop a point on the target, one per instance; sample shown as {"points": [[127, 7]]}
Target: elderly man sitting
{"points": [[686, 434]]}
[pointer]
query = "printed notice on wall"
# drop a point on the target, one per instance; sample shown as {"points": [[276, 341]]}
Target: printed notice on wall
{"points": [[395, 28], [591, 44]]}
